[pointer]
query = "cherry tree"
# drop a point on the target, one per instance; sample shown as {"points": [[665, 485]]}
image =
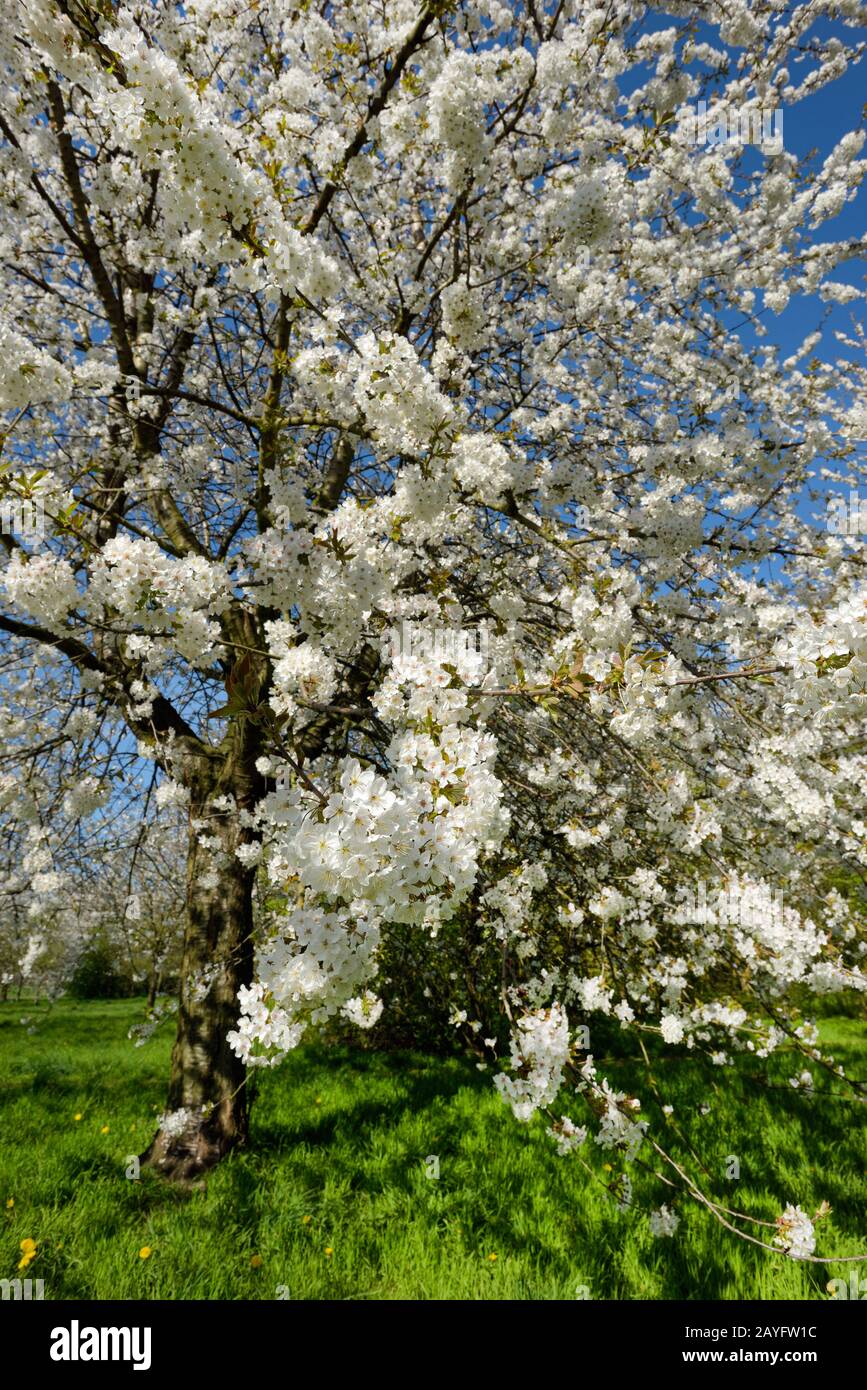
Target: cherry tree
{"points": [[133, 881], [426, 511]]}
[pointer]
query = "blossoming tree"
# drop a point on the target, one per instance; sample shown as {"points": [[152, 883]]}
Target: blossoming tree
{"points": [[322, 325]]}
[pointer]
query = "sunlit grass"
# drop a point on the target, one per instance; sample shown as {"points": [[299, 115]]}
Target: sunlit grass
{"points": [[332, 1199]]}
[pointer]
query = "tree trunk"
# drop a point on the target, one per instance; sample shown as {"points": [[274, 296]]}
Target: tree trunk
{"points": [[207, 1079]]}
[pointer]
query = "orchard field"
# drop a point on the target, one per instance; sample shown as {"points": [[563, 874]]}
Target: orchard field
{"points": [[333, 1200]]}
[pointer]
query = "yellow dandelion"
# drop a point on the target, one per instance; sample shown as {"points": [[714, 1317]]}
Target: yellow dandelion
{"points": [[104, 1129], [28, 1246], [492, 1258], [255, 1261], [307, 1220], [76, 1117], [145, 1252], [328, 1251], [10, 1202]]}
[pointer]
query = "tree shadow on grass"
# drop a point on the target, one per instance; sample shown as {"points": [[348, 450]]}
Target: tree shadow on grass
{"points": [[812, 1149], [73, 1176], [697, 1269], [417, 1088]]}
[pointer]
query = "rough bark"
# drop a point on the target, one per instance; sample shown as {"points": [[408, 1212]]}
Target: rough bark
{"points": [[207, 1079]]}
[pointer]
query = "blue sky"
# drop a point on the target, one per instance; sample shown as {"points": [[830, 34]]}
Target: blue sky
{"points": [[811, 129]]}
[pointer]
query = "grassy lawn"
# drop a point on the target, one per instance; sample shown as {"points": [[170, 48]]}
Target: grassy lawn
{"points": [[333, 1195]]}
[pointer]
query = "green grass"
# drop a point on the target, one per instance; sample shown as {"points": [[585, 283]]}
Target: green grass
{"points": [[337, 1161]]}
